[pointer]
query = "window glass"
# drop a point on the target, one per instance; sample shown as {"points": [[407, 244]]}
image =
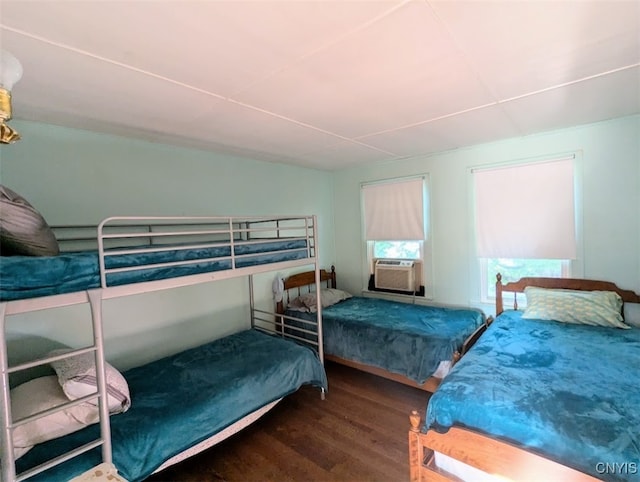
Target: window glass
{"points": [[397, 249], [514, 269]]}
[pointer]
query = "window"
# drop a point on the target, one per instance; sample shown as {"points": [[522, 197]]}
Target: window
{"points": [[525, 221], [394, 213]]}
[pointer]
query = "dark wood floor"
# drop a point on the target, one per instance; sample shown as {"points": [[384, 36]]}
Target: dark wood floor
{"points": [[359, 433]]}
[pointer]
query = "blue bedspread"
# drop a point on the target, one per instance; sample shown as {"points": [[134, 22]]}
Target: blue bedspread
{"points": [[183, 399], [567, 392], [402, 338], [29, 277]]}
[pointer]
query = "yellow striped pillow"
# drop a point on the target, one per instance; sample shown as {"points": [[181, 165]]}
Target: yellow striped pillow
{"points": [[597, 308]]}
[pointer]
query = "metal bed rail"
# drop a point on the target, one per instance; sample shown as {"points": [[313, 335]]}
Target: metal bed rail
{"points": [[280, 325], [128, 235], [301, 330]]}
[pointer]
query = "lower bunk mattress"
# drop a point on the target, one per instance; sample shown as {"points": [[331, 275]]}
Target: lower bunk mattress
{"points": [[565, 391], [181, 400], [407, 339]]}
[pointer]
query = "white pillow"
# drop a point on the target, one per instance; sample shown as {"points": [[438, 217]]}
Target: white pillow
{"points": [[308, 301], [36, 396], [77, 377]]}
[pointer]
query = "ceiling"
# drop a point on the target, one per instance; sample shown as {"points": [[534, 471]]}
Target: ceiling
{"points": [[323, 84]]}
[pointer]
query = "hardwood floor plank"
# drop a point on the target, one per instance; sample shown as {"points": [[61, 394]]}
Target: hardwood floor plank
{"points": [[321, 453], [359, 433], [286, 458]]}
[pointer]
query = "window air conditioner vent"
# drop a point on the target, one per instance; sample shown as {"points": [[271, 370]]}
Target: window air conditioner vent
{"points": [[393, 274]]}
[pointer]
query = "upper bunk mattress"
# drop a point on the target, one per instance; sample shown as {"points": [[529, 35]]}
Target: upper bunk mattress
{"points": [[24, 277], [564, 391], [181, 400], [410, 340]]}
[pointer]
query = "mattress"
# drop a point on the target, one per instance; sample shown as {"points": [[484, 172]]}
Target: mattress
{"points": [[566, 392], [24, 277], [184, 399], [407, 339]]}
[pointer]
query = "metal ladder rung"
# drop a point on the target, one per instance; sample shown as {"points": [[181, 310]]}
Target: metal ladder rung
{"points": [[58, 460], [44, 361], [57, 408]]}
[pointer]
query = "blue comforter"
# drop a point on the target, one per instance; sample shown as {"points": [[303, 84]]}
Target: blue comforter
{"points": [[402, 338], [567, 392], [183, 399], [29, 276]]}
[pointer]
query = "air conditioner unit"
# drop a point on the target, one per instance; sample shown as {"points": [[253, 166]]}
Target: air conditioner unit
{"points": [[395, 274]]}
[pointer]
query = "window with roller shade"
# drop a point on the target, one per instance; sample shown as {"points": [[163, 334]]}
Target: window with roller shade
{"points": [[525, 221], [395, 223]]}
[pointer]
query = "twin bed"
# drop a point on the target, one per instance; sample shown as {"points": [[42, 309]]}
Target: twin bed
{"points": [[186, 399], [410, 343], [537, 398], [181, 404]]}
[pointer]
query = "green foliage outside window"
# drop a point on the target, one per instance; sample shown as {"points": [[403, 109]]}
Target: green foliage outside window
{"points": [[397, 249], [514, 269]]}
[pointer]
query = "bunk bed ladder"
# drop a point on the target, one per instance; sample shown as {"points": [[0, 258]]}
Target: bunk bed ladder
{"points": [[8, 460]]}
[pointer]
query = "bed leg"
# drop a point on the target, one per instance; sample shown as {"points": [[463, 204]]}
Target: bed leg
{"points": [[415, 451], [322, 393]]}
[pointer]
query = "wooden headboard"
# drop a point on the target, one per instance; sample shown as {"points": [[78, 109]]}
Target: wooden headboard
{"points": [[558, 283], [306, 279]]}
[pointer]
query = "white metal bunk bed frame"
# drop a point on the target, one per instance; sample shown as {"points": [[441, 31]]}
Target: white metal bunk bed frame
{"points": [[236, 231]]}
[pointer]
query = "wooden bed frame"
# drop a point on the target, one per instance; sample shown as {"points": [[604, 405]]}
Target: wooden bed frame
{"points": [[306, 279], [481, 451]]}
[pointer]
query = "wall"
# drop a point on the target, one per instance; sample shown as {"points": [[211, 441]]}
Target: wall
{"points": [[78, 177], [608, 167]]}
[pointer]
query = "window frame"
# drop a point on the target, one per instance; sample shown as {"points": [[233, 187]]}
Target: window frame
{"points": [[426, 244], [575, 267]]}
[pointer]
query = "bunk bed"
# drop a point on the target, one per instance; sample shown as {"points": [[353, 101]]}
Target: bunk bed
{"points": [[548, 392], [181, 404], [413, 344]]}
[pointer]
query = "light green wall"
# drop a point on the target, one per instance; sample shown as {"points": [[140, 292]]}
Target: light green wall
{"points": [[76, 177], [608, 167]]}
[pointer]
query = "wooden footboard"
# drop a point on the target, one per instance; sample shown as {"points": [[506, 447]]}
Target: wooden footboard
{"points": [[500, 459]]}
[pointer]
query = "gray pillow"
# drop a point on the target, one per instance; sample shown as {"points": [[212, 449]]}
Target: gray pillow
{"points": [[23, 230], [308, 302]]}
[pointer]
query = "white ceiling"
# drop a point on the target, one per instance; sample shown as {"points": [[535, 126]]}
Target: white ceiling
{"points": [[324, 84]]}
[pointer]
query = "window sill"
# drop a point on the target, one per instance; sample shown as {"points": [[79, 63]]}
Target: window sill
{"points": [[385, 295]]}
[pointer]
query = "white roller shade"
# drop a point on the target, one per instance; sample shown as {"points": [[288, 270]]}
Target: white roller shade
{"points": [[526, 211], [394, 211]]}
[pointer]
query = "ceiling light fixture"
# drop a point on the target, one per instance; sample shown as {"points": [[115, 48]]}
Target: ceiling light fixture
{"points": [[10, 73]]}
